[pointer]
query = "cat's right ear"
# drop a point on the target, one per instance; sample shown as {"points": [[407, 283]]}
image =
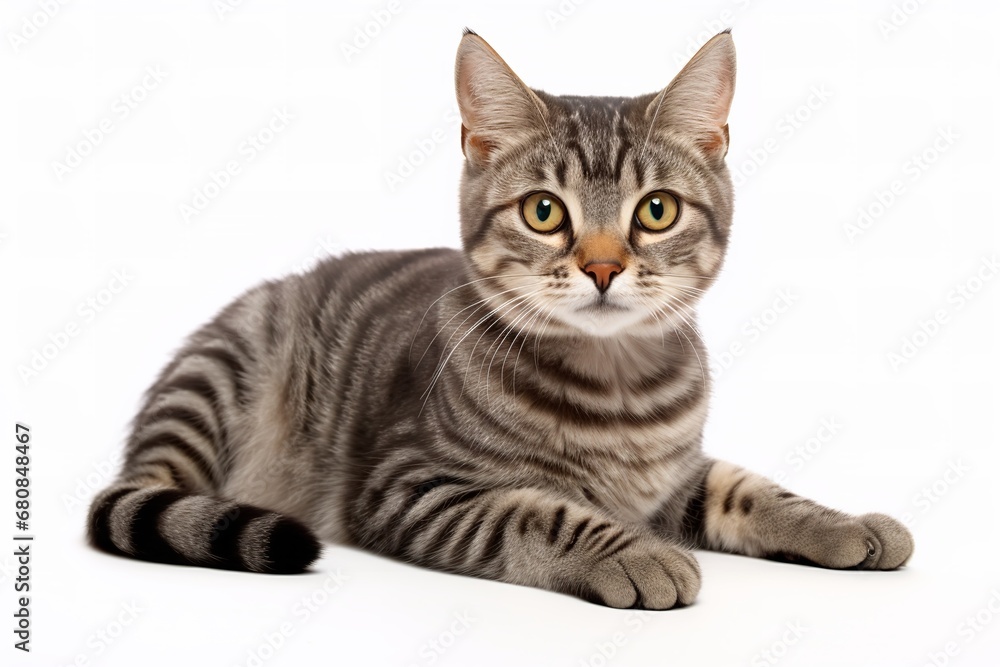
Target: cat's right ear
{"points": [[498, 110]]}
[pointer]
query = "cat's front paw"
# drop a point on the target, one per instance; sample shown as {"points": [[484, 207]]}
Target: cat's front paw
{"points": [[868, 542], [646, 575]]}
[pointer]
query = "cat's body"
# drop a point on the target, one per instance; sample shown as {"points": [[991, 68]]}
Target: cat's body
{"points": [[529, 409]]}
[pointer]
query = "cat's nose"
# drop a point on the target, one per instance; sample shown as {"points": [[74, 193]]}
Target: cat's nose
{"points": [[602, 273]]}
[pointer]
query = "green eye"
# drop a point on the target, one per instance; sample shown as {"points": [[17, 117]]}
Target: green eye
{"points": [[543, 212], [657, 211]]}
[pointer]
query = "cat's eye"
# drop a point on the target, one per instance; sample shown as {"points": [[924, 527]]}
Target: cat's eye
{"points": [[543, 212], [657, 211]]}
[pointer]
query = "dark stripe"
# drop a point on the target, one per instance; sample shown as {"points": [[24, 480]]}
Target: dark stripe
{"points": [[784, 495], [580, 527], [561, 173], [99, 529], [175, 474], [195, 383], [464, 542], [411, 529], [557, 523], [271, 315], [582, 157], [624, 145], [713, 223], [422, 489], [174, 441], [727, 504], [746, 504], [495, 542], [481, 232], [693, 521], [526, 518], [597, 530], [559, 407], [617, 549], [640, 171], [191, 418], [147, 541], [233, 337], [232, 365], [557, 372], [225, 536], [440, 539]]}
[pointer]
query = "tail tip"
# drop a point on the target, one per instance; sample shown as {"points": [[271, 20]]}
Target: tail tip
{"points": [[292, 547]]}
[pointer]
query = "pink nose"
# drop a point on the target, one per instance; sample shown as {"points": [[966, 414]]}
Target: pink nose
{"points": [[602, 273]]}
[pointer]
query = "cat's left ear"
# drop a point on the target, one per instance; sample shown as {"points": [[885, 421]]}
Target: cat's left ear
{"points": [[696, 103], [498, 110]]}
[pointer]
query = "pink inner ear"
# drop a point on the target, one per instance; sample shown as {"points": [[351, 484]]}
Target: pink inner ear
{"points": [[475, 147], [716, 142]]}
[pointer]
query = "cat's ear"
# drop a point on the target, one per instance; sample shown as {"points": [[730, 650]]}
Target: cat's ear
{"points": [[497, 109], [696, 103]]}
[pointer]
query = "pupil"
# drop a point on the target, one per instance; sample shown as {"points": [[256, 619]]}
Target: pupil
{"points": [[656, 207], [543, 210]]}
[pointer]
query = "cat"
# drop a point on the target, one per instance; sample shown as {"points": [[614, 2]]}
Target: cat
{"points": [[528, 409]]}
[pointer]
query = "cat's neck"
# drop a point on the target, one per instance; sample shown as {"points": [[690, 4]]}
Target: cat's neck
{"points": [[624, 358]]}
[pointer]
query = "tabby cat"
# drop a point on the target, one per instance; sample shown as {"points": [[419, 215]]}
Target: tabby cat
{"points": [[528, 409]]}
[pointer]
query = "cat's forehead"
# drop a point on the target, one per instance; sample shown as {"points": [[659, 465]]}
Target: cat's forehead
{"points": [[593, 116]]}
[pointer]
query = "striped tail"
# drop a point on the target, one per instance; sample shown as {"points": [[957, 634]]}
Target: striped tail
{"points": [[169, 525], [165, 507]]}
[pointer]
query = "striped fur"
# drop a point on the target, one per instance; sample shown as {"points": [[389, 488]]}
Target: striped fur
{"points": [[487, 411]]}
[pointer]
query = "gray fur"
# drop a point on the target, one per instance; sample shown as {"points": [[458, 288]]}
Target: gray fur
{"points": [[488, 411]]}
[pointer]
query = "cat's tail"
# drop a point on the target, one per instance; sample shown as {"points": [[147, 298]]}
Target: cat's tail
{"points": [[167, 503], [170, 525]]}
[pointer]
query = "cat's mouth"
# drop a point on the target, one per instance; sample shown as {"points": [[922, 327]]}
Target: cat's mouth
{"points": [[602, 306]]}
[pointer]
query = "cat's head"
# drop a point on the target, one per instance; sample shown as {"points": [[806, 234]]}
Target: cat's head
{"points": [[598, 215]]}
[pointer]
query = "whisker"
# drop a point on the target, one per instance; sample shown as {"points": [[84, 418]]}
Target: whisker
{"points": [[440, 370], [471, 282], [445, 325]]}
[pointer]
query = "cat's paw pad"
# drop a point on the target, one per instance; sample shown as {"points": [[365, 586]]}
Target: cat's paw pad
{"points": [[645, 576], [869, 542]]}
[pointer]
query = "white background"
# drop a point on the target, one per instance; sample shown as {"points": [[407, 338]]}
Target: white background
{"points": [[869, 96]]}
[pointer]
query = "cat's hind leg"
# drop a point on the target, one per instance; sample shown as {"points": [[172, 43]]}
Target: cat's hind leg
{"points": [[165, 505]]}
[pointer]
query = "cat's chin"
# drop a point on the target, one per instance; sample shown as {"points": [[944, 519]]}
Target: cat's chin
{"points": [[604, 320]]}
